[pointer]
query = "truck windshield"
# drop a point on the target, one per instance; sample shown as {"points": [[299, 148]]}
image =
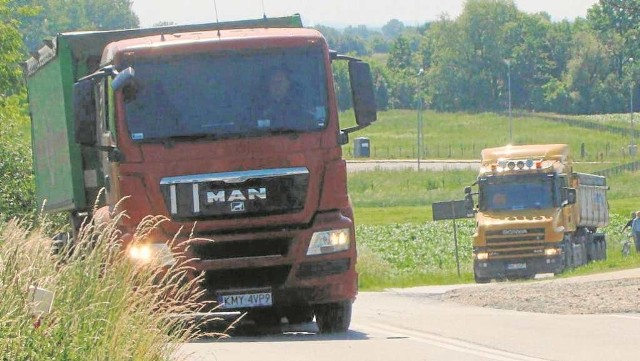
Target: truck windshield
{"points": [[509, 193], [230, 94]]}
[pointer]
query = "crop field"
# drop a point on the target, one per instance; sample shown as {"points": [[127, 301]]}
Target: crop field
{"points": [[414, 254], [407, 254]]}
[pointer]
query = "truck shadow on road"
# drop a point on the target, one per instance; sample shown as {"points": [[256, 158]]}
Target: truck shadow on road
{"points": [[249, 332]]}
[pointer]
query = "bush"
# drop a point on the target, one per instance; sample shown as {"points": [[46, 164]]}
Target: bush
{"points": [[17, 194]]}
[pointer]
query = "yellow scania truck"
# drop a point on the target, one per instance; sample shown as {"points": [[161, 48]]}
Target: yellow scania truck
{"points": [[534, 214]]}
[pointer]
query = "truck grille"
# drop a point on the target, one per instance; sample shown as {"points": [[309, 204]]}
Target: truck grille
{"points": [[516, 242], [323, 268], [218, 280], [241, 248], [235, 194]]}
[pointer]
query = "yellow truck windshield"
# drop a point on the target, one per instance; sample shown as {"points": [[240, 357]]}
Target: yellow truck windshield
{"points": [[512, 193]]}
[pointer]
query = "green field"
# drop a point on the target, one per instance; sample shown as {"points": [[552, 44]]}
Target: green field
{"points": [[462, 135], [399, 244]]}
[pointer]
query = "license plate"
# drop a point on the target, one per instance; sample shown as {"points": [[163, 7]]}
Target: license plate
{"points": [[246, 300], [512, 266]]}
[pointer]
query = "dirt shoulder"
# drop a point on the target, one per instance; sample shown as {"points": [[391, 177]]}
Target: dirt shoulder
{"points": [[611, 292]]}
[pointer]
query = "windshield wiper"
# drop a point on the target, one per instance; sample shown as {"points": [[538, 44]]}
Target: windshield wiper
{"points": [[168, 142], [283, 130]]}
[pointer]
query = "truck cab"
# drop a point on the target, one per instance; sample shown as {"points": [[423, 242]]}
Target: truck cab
{"points": [[171, 122], [534, 214]]}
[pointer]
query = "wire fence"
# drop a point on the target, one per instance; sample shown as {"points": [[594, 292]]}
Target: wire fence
{"points": [[586, 152], [613, 129], [628, 167], [437, 151]]}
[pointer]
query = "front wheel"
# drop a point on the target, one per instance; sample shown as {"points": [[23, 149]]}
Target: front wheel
{"points": [[568, 256], [481, 279], [333, 317], [299, 314]]}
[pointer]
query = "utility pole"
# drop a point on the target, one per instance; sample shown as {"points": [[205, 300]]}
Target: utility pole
{"points": [[632, 145], [508, 62], [419, 140]]}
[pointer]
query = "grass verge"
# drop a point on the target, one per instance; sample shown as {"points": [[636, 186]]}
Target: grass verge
{"points": [[105, 307]]}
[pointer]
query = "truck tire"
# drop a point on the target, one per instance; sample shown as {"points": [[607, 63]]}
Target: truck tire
{"points": [[600, 250], [333, 317], [62, 247], [593, 253], [481, 279], [298, 314], [568, 256]]}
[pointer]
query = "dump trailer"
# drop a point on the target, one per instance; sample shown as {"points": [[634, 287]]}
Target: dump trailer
{"points": [[165, 121], [534, 214]]}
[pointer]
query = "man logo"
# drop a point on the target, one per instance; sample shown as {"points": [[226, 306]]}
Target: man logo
{"points": [[237, 207], [230, 195]]}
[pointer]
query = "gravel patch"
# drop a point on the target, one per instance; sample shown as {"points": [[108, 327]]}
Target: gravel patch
{"points": [[579, 295]]}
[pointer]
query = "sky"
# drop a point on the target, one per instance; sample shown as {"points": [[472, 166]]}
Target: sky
{"points": [[335, 13]]}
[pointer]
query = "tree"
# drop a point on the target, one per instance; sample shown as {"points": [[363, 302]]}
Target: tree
{"points": [[400, 55], [54, 16], [11, 50], [342, 85], [332, 35], [466, 56], [586, 70], [16, 180], [353, 44], [17, 194], [532, 63], [392, 29], [448, 70], [617, 24], [360, 31]]}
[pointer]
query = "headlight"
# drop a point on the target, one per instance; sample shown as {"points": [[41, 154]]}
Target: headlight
{"points": [[551, 251], [482, 256], [157, 253], [329, 242]]}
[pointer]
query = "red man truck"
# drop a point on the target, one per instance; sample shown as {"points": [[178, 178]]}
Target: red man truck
{"points": [[170, 119]]}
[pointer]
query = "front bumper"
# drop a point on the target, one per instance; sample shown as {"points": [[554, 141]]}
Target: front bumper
{"points": [[517, 267], [272, 263]]}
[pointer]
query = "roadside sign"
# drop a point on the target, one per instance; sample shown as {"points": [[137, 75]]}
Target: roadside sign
{"points": [[451, 210]]}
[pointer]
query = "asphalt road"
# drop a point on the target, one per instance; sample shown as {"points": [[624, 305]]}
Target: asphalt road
{"points": [[413, 324]]}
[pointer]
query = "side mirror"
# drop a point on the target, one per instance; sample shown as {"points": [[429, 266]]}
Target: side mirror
{"points": [[570, 196], [123, 79], [84, 112], [468, 199], [362, 93]]}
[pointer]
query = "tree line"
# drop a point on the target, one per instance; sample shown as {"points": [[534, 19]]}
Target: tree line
{"points": [[472, 62], [23, 26]]}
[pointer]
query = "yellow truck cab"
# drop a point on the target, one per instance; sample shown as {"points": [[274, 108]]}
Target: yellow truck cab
{"points": [[534, 214]]}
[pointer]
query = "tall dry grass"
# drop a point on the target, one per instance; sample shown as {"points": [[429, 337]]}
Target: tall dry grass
{"points": [[105, 307]]}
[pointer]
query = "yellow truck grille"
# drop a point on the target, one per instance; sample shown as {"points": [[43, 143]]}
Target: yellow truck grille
{"points": [[525, 242]]}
